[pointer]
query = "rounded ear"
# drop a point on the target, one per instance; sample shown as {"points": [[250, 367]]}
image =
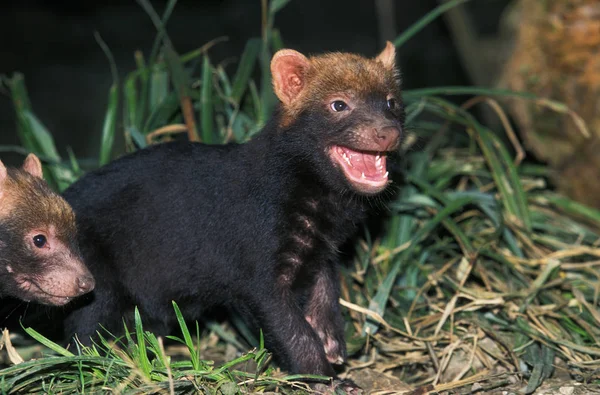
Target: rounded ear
{"points": [[33, 166], [288, 68], [388, 55], [3, 175], [3, 172]]}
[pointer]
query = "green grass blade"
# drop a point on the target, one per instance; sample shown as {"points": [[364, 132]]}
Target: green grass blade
{"points": [[181, 82], [75, 168], [48, 343], [400, 227], [34, 136], [160, 33], [179, 76], [206, 104], [142, 354], [109, 126], [57, 175], [163, 113], [137, 137], [416, 94], [276, 40], [245, 69], [268, 99], [187, 337], [277, 5], [24, 151], [514, 179], [503, 171], [379, 302], [43, 141], [426, 20], [159, 89], [21, 102], [131, 110], [452, 227], [507, 183], [110, 119], [143, 73], [574, 208]]}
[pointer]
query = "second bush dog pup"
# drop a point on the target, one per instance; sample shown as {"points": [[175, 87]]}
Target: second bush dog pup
{"points": [[39, 257], [254, 226]]}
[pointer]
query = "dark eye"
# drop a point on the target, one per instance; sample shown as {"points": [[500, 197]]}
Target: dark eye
{"points": [[339, 105], [39, 241], [391, 104]]}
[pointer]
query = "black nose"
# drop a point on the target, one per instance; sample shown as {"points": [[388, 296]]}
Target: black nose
{"points": [[86, 284], [387, 137]]}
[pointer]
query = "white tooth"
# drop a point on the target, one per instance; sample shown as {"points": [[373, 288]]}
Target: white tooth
{"points": [[346, 158], [386, 174], [362, 175]]}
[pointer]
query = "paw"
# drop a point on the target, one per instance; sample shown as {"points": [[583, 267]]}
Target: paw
{"points": [[335, 350], [338, 387], [348, 386], [333, 341]]}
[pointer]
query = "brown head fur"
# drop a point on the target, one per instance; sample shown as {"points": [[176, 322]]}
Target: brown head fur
{"points": [[54, 272], [28, 201], [301, 82], [344, 105]]}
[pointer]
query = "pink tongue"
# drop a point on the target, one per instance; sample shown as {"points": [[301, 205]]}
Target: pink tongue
{"points": [[364, 163]]}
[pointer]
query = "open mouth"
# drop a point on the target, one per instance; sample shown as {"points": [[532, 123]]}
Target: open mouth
{"points": [[366, 171]]}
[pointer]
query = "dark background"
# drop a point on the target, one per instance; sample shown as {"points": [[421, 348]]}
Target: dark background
{"points": [[52, 43]]}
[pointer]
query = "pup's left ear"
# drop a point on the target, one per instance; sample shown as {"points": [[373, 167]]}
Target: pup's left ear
{"points": [[33, 166], [289, 69], [388, 55]]}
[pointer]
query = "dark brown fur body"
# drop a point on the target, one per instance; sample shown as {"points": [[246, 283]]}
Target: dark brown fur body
{"points": [[51, 272]]}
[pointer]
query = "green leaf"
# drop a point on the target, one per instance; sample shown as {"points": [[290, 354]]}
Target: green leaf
{"points": [[245, 69], [48, 343], [277, 5], [159, 88], [187, 338], [416, 94], [143, 361], [425, 21], [110, 119], [379, 302], [574, 208], [131, 102], [40, 136], [206, 103], [109, 126]]}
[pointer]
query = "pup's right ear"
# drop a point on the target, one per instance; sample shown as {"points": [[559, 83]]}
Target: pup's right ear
{"points": [[33, 166], [289, 69]]}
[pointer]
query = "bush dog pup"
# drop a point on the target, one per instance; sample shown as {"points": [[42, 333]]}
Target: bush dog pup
{"points": [[253, 226], [39, 255]]}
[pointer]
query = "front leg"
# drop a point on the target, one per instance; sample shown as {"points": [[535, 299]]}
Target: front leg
{"points": [[287, 333], [322, 312]]}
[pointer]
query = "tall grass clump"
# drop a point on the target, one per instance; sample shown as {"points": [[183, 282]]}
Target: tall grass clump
{"points": [[481, 277]]}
